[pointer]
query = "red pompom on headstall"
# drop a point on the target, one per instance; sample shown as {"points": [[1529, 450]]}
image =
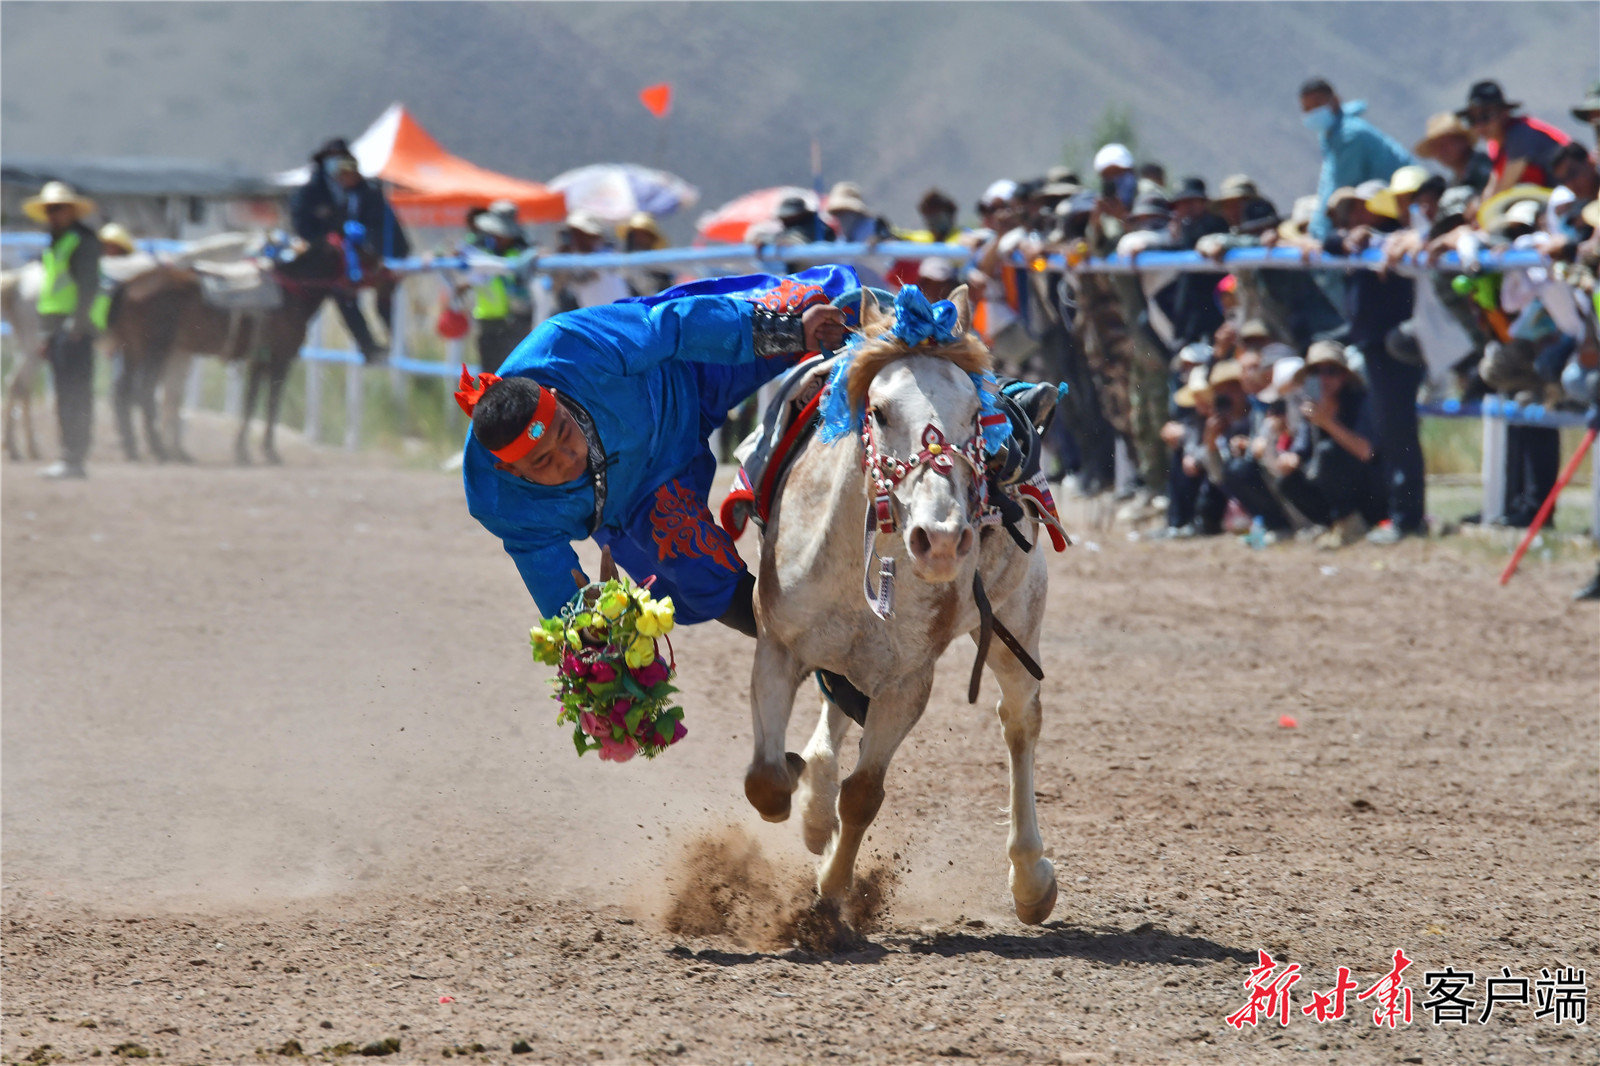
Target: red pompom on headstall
{"points": [[532, 435]]}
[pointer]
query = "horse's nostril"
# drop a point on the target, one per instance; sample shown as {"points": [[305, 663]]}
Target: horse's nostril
{"points": [[964, 545], [920, 544]]}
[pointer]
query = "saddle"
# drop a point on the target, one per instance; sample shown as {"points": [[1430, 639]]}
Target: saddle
{"points": [[770, 449], [241, 286], [792, 417]]}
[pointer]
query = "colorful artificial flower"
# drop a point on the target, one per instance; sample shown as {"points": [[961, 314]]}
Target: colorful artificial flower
{"points": [[612, 683]]}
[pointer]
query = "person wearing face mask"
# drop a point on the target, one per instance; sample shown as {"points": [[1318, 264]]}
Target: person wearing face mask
{"points": [[1353, 150], [1119, 182]]}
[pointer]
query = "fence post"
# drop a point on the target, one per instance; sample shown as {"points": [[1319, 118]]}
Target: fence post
{"points": [[455, 355], [191, 386], [1494, 464], [397, 344], [233, 395], [313, 400], [352, 406]]}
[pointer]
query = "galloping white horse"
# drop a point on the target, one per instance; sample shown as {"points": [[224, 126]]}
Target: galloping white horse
{"points": [[920, 450]]}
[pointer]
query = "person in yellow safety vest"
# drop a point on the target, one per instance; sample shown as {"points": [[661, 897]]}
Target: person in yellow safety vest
{"points": [[502, 306], [66, 299]]}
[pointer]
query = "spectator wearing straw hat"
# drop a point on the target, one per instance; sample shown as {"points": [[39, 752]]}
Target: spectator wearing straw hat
{"points": [[1353, 150], [641, 233], [1330, 473], [852, 219], [66, 302], [1521, 149], [1588, 112], [1195, 505], [1448, 142]]}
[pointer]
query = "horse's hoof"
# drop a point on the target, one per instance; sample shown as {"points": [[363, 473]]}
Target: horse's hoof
{"points": [[182, 456], [770, 789], [1036, 913], [272, 458]]}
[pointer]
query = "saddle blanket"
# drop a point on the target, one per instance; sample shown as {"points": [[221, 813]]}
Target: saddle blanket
{"points": [[242, 286]]}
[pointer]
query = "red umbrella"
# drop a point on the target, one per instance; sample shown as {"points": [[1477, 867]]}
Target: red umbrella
{"points": [[729, 222]]}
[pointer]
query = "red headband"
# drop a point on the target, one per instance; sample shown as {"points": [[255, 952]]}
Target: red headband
{"points": [[531, 436]]}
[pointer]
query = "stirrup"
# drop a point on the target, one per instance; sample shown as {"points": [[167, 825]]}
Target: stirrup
{"points": [[843, 695]]}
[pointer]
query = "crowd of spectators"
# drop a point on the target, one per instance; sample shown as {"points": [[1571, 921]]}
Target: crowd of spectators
{"points": [[1285, 401]]}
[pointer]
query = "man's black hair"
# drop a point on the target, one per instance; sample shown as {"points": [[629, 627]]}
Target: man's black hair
{"points": [[504, 411], [1571, 152], [1434, 186], [1153, 171], [934, 199], [1313, 86]]}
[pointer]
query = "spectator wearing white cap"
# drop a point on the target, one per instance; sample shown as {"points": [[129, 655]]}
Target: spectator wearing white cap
{"points": [[1353, 150], [1118, 181]]}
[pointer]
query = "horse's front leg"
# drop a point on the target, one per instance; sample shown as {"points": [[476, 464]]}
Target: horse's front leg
{"points": [[770, 781], [894, 712], [174, 381], [1033, 877], [241, 444], [19, 404], [280, 375], [819, 785], [125, 391]]}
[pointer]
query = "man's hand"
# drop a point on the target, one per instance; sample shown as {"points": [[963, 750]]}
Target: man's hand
{"points": [[1191, 466], [1172, 434], [1223, 340], [1287, 463], [1321, 413], [824, 326]]}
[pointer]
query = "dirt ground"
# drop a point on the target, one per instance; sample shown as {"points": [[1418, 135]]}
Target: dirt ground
{"points": [[280, 777]]}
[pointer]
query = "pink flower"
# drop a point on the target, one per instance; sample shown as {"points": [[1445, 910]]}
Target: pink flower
{"points": [[619, 711], [618, 750], [573, 666], [589, 723], [651, 674], [602, 672], [679, 731]]}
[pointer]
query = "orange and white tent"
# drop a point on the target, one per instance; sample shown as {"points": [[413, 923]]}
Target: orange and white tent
{"points": [[431, 186]]}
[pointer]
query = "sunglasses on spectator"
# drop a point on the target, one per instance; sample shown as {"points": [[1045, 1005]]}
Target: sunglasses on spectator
{"points": [[1478, 117], [1328, 370]]}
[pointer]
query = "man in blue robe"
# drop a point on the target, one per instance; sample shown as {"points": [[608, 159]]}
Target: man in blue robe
{"points": [[599, 427]]}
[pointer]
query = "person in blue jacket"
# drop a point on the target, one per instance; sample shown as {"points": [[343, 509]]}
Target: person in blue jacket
{"points": [[599, 428], [1353, 149]]}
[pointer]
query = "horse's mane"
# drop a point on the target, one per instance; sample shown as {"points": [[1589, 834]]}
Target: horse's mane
{"points": [[879, 347]]}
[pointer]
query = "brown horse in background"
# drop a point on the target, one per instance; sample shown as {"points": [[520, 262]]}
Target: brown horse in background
{"points": [[161, 318]]}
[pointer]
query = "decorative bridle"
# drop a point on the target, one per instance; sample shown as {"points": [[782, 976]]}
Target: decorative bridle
{"points": [[918, 323]]}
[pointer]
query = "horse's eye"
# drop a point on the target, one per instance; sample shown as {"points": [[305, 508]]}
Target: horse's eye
{"points": [[879, 417]]}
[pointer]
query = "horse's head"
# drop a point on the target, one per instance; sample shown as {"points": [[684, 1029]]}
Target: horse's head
{"points": [[924, 450]]}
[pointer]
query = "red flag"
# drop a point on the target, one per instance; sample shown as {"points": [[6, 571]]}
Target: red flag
{"points": [[657, 99]]}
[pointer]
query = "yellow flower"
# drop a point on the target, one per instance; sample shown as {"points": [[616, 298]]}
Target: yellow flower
{"points": [[612, 604], [642, 652], [641, 595], [656, 619]]}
